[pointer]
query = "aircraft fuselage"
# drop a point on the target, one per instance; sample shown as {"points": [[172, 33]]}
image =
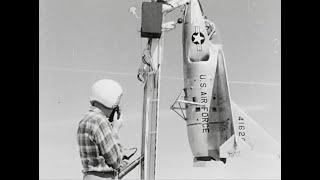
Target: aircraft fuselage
{"points": [[208, 125]]}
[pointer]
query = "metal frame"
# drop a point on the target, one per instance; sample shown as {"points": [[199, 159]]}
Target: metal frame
{"points": [[182, 114]]}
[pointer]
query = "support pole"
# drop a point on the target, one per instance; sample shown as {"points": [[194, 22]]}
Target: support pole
{"points": [[151, 113]]}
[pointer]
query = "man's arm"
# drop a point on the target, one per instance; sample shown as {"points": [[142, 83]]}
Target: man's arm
{"points": [[109, 145], [170, 5]]}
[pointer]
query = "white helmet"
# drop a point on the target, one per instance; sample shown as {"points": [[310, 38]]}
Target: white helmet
{"points": [[107, 92]]}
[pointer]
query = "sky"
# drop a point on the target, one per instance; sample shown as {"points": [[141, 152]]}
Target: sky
{"points": [[81, 41]]}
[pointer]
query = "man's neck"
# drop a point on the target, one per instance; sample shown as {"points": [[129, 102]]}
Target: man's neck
{"points": [[106, 111]]}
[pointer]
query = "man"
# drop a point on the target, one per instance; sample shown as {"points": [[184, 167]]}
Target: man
{"points": [[100, 150], [210, 27], [170, 5]]}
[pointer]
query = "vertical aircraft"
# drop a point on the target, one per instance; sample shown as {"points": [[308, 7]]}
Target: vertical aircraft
{"points": [[217, 128]]}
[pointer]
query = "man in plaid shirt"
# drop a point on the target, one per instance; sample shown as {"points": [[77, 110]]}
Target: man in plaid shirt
{"points": [[100, 150]]}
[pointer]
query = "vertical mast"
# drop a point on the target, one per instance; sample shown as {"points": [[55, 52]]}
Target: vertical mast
{"points": [[151, 112], [151, 101]]}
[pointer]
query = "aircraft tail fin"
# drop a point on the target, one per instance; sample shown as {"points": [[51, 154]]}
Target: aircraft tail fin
{"points": [[248, 136], [233, 147]]}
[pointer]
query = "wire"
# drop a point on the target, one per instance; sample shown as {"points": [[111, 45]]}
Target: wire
{"points": [[77, 70], [128, 157]]}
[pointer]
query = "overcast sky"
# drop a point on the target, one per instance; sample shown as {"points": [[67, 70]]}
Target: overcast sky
{"points": [[81, 41]]}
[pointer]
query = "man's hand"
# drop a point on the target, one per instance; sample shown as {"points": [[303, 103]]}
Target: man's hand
{"points": [[123, 164], [117, 123]]}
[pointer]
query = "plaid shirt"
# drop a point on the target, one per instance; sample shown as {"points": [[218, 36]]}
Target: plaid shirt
{"points": [[99, 145]]}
